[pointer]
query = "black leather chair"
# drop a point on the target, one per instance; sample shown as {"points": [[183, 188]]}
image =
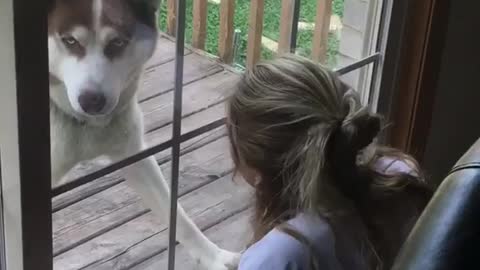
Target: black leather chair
{"points": [[447, 235]]}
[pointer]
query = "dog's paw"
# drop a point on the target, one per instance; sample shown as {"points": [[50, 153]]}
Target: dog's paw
{"points": [[223, 260]]}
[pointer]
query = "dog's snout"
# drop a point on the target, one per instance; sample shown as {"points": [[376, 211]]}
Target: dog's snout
{"points": [[92, 102]]}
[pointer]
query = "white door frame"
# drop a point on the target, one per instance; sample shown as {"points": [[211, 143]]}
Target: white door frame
{"points": [[24, 136]]}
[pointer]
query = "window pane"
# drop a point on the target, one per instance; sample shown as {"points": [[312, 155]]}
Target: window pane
{"points": [[360, 80]]}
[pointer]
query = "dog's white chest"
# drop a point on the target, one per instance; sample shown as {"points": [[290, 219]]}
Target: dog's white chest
{"points": [[73, 142]]}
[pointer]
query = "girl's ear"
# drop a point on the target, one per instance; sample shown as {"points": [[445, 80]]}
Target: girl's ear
{"points": [[145, 11], [252, 177]]}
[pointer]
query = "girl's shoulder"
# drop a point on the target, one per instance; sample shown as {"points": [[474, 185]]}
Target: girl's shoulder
{"points": [[281, 251], [275, 251]]}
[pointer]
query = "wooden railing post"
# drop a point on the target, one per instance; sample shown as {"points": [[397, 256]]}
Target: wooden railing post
{"points": [[322, 27], [254, 46], [199, 24], [225, 37], [285, 26], [171, 16]]}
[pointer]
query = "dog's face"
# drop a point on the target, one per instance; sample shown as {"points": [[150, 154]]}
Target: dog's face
{"points": [[97, 49]]}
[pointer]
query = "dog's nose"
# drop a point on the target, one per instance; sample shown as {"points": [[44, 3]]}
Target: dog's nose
{"points": [[92, 102]]}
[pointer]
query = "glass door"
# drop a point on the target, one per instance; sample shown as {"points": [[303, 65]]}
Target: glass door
{"points": [[197, 57]]}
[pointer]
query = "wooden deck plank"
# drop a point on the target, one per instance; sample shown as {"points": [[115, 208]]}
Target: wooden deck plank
{"points": [[227, 205], [196, 97], [68, 198], [106, 210], [189, 123], [146, 236], [160, 79], [232, 234]]}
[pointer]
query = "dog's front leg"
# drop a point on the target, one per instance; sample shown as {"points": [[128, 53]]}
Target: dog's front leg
{"points": [[147, 179]]}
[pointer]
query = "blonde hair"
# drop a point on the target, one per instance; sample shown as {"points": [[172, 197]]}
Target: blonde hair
{"points": [[309, 138]]}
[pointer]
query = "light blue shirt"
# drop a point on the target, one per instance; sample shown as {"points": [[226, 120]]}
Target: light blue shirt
{"points": [[281, 251]]}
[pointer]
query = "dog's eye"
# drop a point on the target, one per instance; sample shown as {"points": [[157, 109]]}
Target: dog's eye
{"points": [[115, 47], [69, 40], [118, 42]]}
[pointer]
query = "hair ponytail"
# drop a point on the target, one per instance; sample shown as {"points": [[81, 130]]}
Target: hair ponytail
{"points": [[351, 136]]}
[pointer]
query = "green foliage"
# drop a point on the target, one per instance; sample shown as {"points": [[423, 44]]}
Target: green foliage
{"points": [[271, 26]]}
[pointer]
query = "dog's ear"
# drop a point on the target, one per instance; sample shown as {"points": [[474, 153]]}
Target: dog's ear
{"points": [[51, 5], [145, 10], [150, 4], [155, 3]]}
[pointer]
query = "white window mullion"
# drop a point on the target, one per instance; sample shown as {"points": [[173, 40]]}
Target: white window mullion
{"points": [[9, 148]]}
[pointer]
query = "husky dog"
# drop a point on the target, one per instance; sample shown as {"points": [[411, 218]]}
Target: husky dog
{"points": [[97, 50]]}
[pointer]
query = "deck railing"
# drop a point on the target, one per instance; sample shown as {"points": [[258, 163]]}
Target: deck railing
{"points": [[287, 36]]}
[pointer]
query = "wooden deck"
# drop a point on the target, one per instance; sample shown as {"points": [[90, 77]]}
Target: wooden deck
{"points": [[104, 225]]}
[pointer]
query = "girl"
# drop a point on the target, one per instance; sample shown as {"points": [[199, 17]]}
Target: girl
{"points": [[326, 196]]}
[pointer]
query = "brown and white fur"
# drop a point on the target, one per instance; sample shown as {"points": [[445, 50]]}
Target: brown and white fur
{"points": [[97, 52]]}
